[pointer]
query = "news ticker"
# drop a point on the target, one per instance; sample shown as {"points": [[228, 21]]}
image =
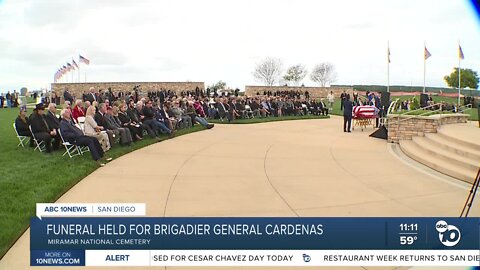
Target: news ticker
{"points": [[199, 241]]}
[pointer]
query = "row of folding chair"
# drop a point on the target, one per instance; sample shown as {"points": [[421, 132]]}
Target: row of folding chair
{"points": [[39, 145], [71, 149]]}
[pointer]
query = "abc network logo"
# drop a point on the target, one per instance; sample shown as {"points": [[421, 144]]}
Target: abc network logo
{"points": [[449, 235]]}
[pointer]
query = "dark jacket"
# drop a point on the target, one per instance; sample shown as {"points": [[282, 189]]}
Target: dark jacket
{"points": [[22, 127], [133, 114], [124, 118], [39, 123], [69, 131], [112, 122], [102, 121], [148, 113], [68, 97], [52, 120], [347, 108], [160, 114], [90, 97]]}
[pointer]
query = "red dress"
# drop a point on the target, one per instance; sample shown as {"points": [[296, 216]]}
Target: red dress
{"points": [[77, 112]]}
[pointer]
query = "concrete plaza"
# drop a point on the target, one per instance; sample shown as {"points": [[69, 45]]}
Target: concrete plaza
{"points": [[291, 168]]}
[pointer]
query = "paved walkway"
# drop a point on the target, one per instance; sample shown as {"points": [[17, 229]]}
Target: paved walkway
{"points": [[292, 168]]}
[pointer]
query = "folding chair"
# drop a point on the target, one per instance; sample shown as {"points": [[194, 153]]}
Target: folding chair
{"points": [[40, 145], [179, 124], [248, 112], [81, 126], [22, 139], [71, 149]]}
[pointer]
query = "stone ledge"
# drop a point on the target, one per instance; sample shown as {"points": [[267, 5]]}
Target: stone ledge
{"points": [[403, 127]]}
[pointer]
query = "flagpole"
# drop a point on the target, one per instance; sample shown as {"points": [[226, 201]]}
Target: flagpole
{"points": [[388, 67], [459, 75], [424, 66]]}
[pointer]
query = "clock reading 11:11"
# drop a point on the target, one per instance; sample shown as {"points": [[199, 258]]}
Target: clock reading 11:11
{"points": [[409, 227]]}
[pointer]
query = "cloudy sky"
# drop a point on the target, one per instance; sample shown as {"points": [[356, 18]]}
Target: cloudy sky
{"points": [[211, 40]]}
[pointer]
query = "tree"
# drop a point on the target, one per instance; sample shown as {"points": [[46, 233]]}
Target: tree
{"points": [[323, 74], [220, 85], [268, 71], [295, 74], [469, 78]]}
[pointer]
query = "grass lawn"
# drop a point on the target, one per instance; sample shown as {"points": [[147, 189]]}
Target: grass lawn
{"points": [[473, 112], [268, 119], [29, 177]]}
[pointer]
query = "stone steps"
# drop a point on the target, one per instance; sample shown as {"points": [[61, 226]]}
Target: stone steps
{"points": [[441, 140], [453, 151], [438, 163], [450, 134], [442, 151]]}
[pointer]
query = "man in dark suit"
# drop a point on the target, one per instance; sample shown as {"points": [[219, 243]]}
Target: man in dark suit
{"points": [[343, 97], [102, 121], [67, 96], [91, 96], [223, 108], [100, 96], [42, 131], [52, 120], [322, 108], [74, 135], [134, 115], [232, 109], [149, 119], [347, 114]]}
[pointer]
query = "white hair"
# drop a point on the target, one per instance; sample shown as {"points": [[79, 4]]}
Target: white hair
{"points": [[62, 113]]}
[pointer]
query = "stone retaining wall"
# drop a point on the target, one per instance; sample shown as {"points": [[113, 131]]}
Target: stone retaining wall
{"points": [[77, 89], [404, 127]]}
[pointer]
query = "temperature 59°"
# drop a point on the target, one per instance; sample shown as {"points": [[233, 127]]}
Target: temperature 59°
{"points": [[407, 240]]}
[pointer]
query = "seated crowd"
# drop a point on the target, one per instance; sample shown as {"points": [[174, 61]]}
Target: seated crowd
{"points": [[232, 108], [100, 126], [211, 104]]}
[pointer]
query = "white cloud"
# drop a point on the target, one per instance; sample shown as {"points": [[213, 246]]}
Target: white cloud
{"points": [[213, 40]]}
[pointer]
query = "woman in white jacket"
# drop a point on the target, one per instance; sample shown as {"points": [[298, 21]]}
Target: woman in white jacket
{"points": [[94, 130]]}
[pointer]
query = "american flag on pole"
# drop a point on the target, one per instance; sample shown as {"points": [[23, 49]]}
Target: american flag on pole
{"points": [[460, 52], [74, 63], [84, 60], [427, 54], [70, 67], [64, 70], [58, 74]]}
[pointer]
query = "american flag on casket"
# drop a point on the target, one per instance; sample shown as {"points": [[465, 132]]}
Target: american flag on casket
{"points": [[366, 111]]}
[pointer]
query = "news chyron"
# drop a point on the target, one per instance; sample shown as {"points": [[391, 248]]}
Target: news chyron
{"points": [[121, 235]]}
